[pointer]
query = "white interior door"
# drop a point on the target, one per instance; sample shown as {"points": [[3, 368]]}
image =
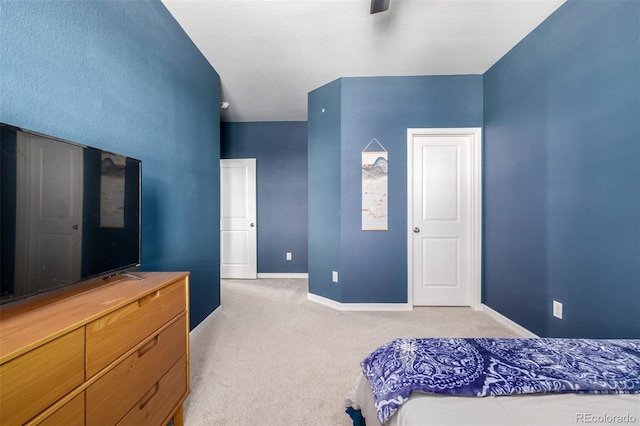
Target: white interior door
{"points": [[444, 212], [238, 236], [50, 188]]}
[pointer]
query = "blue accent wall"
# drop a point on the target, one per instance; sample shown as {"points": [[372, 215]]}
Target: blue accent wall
{"points": [[373, 264], [280, 150], [123, 76], [562, 174], [323, 166]]}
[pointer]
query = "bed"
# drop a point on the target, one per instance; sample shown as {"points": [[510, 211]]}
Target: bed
{"points": [[484, 381]]}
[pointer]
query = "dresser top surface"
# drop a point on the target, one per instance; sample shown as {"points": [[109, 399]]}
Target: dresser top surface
{"points": [[26, 326]]}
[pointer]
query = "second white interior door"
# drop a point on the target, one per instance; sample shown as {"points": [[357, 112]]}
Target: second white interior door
{"points": [[442, 217], [238, 234]]}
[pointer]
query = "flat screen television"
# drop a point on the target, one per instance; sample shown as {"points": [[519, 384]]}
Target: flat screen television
{"points": [[69, 213]]}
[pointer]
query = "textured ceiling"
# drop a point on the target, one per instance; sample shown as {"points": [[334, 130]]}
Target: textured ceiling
{"points": [[271, 53]]}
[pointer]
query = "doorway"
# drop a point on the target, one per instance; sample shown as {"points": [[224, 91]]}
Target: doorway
{"points": [[444, 216]]}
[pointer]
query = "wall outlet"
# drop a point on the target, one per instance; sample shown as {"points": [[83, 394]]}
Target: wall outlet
{"points": [[334, 276], [288, 255], [557, 309]]}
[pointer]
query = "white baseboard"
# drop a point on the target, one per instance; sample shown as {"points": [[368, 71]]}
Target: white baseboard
{"points": [[283, 275], [203, 324], [508, 323], [359, 306]]}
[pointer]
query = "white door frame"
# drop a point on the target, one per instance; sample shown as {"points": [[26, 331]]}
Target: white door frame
{"points": [[475, 134]]}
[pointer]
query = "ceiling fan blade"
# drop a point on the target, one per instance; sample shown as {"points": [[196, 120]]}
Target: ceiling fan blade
{"points": [[379, 6]]}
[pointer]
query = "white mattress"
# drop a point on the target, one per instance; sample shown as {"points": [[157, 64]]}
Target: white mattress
{"points": [[536, 409]]}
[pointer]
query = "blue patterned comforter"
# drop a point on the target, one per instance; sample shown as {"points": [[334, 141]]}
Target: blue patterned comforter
{"points": [[483, 367]]}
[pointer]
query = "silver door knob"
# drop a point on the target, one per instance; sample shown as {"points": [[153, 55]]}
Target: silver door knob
{"points": [[252, 224], [416, 230]]}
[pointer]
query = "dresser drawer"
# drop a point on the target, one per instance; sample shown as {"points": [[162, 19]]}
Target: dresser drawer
{"points": [[166, 394], [109, 399], [37, 379], [114, 334], [70, 414]]}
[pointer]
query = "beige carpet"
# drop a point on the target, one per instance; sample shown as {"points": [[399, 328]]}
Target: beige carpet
{"points": [[273, 358]]}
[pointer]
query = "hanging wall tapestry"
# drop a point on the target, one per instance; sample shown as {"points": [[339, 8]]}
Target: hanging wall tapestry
{"points": [[374, 187], [112, 191]]}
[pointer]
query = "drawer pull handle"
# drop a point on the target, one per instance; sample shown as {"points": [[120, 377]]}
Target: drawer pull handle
{"points": [[149, 395], [147, 347], [148, 298]]}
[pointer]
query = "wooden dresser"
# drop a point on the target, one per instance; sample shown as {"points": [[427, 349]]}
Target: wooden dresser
{"points": [[114, 354]]}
